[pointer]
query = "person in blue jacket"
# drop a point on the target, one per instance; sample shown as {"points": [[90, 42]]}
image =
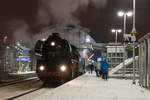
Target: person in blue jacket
{"points": [[104, 68]]}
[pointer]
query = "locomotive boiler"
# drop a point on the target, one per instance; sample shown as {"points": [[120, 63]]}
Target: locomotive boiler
{"points": [[57, 60]]}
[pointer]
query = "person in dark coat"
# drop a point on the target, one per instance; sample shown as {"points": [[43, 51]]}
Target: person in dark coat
{"points": [[104, 68], [91, 67]]}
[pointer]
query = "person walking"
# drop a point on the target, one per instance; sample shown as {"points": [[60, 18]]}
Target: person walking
{"points": [[98, 69], [104, 68], [91, 67]]}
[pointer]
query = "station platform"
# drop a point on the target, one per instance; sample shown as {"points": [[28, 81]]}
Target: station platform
{"points": [[90, 87], [9, 77], [23, 73]]}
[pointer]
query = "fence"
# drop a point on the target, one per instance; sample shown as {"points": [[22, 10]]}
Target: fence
{"points": [[144, 61]]}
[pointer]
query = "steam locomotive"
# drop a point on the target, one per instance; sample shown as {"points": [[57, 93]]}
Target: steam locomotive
{"points": [[57, 60]]}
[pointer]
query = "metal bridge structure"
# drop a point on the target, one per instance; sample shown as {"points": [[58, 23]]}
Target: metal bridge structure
{"points": [[144, 61]]}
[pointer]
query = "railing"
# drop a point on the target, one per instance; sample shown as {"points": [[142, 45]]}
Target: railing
{"points": [[144, 61], [128, 70]]}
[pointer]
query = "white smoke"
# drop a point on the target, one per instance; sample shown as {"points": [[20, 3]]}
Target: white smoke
{"points": [[20, 30], [72, 33], [62, 10], [99, 3], [43, 16]]}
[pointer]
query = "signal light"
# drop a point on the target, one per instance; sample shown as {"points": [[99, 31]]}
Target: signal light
{"points": [[87, 57]]}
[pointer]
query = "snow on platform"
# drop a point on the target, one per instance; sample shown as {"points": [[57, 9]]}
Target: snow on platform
{"points": [[90, 87], [23, 73]]}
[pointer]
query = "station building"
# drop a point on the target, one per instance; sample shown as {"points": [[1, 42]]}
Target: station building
{"points": [[115, 54], [77, 35], [15, 59]]}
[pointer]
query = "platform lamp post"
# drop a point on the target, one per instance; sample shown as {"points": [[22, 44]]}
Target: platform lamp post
{"points": [[125, 15], [133, 39], [116, 31]]}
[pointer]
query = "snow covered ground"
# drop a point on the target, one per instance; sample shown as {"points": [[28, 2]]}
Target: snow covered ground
{"points": [[90, 87], [27, 72]]}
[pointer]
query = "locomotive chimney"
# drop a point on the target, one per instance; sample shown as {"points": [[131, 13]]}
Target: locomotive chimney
{"points": [[55, 34]]}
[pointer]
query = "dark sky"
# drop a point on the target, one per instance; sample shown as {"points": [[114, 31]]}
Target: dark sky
{"points": [[100, 16]]}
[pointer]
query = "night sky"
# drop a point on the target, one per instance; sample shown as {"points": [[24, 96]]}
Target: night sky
{"points": [[28, 17]]}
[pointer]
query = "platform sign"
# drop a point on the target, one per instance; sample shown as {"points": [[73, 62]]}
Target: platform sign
{"points": [[127, 38], [134, 31], [23, 59], [17, 59], [99, 59], [133, 38], [80, 59]]}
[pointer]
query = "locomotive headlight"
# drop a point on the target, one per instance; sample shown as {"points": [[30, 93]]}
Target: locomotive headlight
{"points": [[42, 68], [63, 68], [52, 43]]}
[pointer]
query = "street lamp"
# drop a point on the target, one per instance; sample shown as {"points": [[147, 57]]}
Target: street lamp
{"points": [[116, 31], [125, 15]]}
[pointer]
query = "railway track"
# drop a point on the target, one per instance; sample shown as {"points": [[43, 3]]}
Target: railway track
{"points": [[24, 89], [17, 82], [15, 90], [20, 95], [37, 91]]}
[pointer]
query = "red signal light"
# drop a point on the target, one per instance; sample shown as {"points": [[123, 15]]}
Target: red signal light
{"points": [[87, 57]]}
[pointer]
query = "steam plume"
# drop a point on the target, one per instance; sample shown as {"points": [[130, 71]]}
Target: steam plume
{"points": [[62, 10], [20, 30]]}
